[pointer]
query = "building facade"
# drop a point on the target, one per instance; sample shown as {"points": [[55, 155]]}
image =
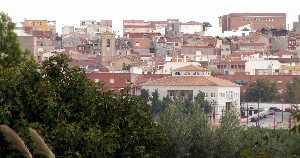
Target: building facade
{"points": [[108, 48], [188, 81], [257, 21]]}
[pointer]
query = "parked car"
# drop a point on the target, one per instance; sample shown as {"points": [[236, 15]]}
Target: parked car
{"points": [[275, 109]]}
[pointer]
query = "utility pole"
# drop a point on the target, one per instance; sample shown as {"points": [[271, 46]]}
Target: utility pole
{"points": [[274, 113], [258, 119], [282, 113], [247, 114]]}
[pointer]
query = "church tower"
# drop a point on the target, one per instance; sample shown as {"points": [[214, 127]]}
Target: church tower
{"points": [[108, 48]]}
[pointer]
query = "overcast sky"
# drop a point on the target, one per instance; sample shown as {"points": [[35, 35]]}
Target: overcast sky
{"points": [[70, 12]]}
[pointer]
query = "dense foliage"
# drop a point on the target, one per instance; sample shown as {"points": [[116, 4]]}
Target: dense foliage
{"points": [[262, 90], [75, 116], [293, 91]]}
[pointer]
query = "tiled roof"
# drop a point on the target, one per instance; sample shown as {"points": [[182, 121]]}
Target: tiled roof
{"points": [[141, 35], [191, 68], [148, 77], [192, 23], [113, 81], [244, 53], [136, 26], [190, 81], [252, 44], [198, 46]]}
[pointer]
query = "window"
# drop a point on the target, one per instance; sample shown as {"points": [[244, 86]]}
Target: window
{"points": [[228, 106], [177, 73], [186, 94], [222, 94], [108, 43], [212, 95], [206, 94], [187, 74], [111, 81]]}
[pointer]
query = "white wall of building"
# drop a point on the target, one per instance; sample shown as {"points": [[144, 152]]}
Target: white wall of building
{"points": [[252, 66], [138, 29], [222, 94], [191, 29], [66, 30], [171, 66]]}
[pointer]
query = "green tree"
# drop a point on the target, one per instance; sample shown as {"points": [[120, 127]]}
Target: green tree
{"points": [[200, 101], [227, 138], [145, 95], [10, 51], [293, 91], [262, 90], [188, 131]]}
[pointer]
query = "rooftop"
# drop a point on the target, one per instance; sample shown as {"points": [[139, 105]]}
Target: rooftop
{"points": [[192, 68], [190, 81]]}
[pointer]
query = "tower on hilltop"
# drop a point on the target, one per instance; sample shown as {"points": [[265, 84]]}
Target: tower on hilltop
{"points": [[108, 48]]}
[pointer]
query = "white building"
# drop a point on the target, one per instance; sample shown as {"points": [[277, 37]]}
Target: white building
{"points": [[27, 41], [241, 32], [191, 27], [66, 30], [200, 57], [188, 81], [169, 67], [262, 67]]}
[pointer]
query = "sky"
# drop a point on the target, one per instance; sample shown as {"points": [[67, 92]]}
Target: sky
{"points": [[70, 12]]}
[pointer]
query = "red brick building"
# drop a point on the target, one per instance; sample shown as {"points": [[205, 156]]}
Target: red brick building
{"points": [[257, 21]]}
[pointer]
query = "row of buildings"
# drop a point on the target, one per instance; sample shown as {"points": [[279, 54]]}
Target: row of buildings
{"points": [[177, 59]]}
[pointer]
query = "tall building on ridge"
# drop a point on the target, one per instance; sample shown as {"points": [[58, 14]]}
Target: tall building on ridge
{"points": [[257, 21]]}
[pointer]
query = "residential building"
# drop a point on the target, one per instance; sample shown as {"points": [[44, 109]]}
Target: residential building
{"points": [[66, 30], [40, 28], [191, 27], [173, 28], [257, 21], [27, 42], [262, 67], [253, 46], [169, 67], [186, 82], [230, 67], [36, 25], [136, 26], [296, 25]]}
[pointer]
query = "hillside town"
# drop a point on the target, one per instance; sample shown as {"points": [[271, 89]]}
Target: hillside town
{"points": [[157, 79], [177, 58]]}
